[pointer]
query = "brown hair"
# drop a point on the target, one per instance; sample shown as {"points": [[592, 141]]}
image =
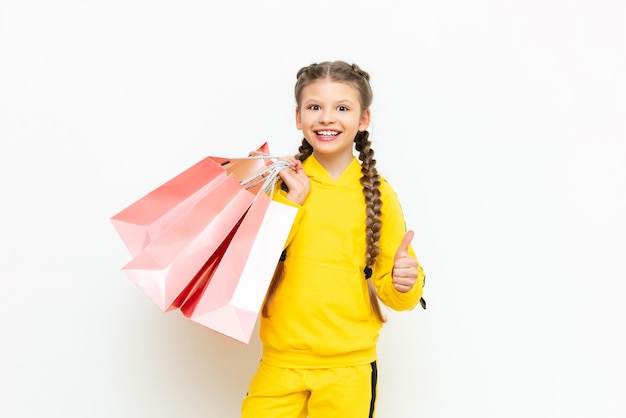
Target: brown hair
{"points": [[351, 74]]}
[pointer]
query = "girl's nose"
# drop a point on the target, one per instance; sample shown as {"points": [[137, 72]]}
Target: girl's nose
{"points": [[327, 116]]}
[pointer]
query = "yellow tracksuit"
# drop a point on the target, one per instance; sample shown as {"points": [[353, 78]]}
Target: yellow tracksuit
{"points": [[321, 317]]}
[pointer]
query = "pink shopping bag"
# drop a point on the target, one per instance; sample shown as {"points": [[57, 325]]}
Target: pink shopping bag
{"points": [[234, 284], [147, 218], [166, 267]]}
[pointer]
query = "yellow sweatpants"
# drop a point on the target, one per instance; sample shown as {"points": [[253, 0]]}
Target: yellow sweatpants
{"points": [[342, 392]]}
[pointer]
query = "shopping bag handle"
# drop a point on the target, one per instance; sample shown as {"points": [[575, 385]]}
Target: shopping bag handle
{"points": [[267, 175]]}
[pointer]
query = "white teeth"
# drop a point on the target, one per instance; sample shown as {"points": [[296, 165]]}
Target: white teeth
{"points": [[327, 133]]}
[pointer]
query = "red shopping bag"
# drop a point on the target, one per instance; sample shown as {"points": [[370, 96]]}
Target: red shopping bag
{"points": [[151, 215], [234, 283], [166, 267]]}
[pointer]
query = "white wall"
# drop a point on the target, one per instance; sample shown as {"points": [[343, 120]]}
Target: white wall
{"points": [[500, 124]]}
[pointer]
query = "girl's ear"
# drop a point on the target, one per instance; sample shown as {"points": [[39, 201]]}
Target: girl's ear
{"points": [[298, 119], [365, 120]]}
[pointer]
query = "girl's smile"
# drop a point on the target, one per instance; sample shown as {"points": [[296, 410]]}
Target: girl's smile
{"points": [[327, 135]]}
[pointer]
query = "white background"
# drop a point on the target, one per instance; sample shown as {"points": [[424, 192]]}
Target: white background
{"points": [[501, 124]]}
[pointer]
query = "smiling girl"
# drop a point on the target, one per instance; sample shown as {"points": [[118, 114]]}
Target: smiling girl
{"points": [[348, 252]]}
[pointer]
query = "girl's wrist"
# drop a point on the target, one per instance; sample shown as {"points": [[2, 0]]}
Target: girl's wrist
{"points": [[296, 198]]}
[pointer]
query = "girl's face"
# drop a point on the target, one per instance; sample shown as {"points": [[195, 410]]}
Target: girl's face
{"points": [[330, 116]]}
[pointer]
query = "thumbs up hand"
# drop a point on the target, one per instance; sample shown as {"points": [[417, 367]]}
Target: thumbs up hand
{"points": [[405, 267]]}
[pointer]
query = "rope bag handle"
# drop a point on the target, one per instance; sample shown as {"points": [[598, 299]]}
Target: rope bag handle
{"points": [[268, 175]]}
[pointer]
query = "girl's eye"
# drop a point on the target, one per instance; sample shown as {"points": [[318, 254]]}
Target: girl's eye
{"points": [[314, 107], [342, 108]]}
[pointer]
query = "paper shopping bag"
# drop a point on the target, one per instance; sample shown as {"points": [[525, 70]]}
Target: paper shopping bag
{"points": [[151, 215], [166, 267], [236, 282]]}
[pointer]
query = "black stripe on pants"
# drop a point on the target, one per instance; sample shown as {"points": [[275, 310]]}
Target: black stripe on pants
{"points": [[374, 383]]}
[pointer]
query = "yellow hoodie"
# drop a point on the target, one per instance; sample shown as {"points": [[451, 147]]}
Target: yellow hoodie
{"points": [[321, 315]]}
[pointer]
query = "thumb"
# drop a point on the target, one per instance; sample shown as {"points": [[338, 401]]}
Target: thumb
{"points": [[403, 250]]}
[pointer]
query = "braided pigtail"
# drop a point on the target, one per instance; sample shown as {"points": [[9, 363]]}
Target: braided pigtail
{"points": [[305, 150], [370, 182]]}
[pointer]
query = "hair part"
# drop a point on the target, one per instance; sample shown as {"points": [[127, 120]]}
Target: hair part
{"points": [[339, 71], [353, 75]]}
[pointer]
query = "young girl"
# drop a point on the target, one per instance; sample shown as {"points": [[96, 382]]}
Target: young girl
{"points": [[348, 249]]}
